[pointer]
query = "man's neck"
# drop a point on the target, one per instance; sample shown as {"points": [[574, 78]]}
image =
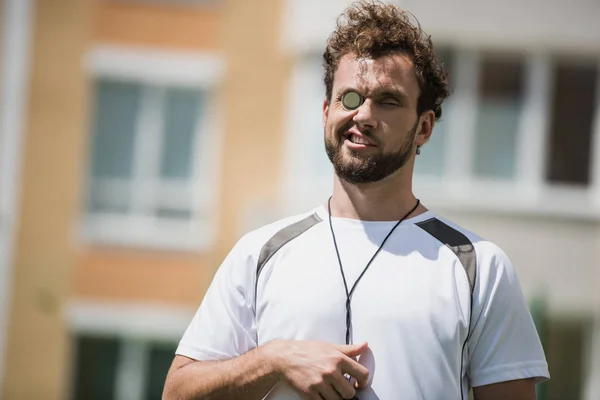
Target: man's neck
{"points": [[388, 200]]}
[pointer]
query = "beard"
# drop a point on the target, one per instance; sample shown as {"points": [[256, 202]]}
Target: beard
{"points": [[357, 168]]}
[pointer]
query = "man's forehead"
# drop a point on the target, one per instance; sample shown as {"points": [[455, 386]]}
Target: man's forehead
{"points": [[390, 72]]}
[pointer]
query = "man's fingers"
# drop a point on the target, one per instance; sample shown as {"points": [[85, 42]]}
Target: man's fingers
{"points": [[343, 386], [357, 371], [353, 350], [327, 392]]}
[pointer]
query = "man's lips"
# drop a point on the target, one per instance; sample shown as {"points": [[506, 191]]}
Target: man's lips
{"points": [[356, 137]]}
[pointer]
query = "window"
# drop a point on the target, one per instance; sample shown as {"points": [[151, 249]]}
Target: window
{"points": [[116, 108], [144, 167], [123, 350], [95, 368], [112, 368], [433, 155], [515, 125], [312, 122], [573, 104], [498, 114], [307, 165], [152, 149], [160, 358], [565, 346]]}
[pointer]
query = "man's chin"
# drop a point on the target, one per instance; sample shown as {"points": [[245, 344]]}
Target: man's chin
{"points": [[356, 178], [354, 164], [349, 155], [353, 172]]}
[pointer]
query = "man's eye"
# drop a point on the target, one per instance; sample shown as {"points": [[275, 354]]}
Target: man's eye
{"points": [[389, 102]]}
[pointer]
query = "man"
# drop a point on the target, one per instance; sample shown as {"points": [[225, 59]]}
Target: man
{"points": [[370, 294]]}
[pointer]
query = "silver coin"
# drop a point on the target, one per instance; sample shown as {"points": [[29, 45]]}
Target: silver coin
{"points": [[352, 100]]}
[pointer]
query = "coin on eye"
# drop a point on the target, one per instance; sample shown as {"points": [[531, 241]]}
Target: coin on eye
{"points": [[352, 100]]}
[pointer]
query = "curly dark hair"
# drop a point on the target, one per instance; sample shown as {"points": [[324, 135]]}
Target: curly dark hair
{"points": [[370, 29]]}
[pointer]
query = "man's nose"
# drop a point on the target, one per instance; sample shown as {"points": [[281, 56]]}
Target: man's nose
{"points": [[365, 116]]}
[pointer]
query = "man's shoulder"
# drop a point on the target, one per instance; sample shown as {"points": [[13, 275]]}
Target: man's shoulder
{"points": [[484, 247], [284, 228]]}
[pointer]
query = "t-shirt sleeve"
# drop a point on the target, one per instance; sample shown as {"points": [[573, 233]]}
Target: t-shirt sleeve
{"points": [[224, 324], [504, 344]]}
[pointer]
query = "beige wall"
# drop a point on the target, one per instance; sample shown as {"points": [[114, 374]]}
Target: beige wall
{"points": [[175, 27], [49, 269], [144, 275], [52, 161], [255, 98], [140, 276]]}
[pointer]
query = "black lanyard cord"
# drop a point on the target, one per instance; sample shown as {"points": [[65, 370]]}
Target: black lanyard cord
{"points": [[349, 293]]}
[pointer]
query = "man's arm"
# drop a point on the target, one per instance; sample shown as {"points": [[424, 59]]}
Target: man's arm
{"points": [[250, 376], [504, 347], [314, 369], [520, 389]]}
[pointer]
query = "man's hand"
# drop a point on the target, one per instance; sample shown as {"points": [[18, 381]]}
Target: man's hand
{"points": [[316, 369]]}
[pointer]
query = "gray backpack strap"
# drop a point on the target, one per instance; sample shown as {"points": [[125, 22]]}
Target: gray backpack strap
{"points": [[458, 243], [278, 240]]}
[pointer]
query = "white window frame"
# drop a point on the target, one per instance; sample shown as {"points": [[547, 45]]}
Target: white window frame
{"points": [[160, 68], [135, 325], [459, 189]]}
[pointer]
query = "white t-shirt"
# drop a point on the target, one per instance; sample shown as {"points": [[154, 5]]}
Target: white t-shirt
{"points": [[414, 305]]}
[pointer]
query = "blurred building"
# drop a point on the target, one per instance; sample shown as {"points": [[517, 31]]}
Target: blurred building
{"points": [[516, 156], [139, 139]]}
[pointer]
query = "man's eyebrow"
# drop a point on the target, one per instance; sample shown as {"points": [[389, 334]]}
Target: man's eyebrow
{"points": [[345, 89], [399, 94], [387, 92]]}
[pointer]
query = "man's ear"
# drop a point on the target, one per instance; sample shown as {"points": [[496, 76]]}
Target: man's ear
{"points": [[426, 123], [325, 110]]}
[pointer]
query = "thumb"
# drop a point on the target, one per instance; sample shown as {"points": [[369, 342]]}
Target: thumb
{"points": [[353, 350]]}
